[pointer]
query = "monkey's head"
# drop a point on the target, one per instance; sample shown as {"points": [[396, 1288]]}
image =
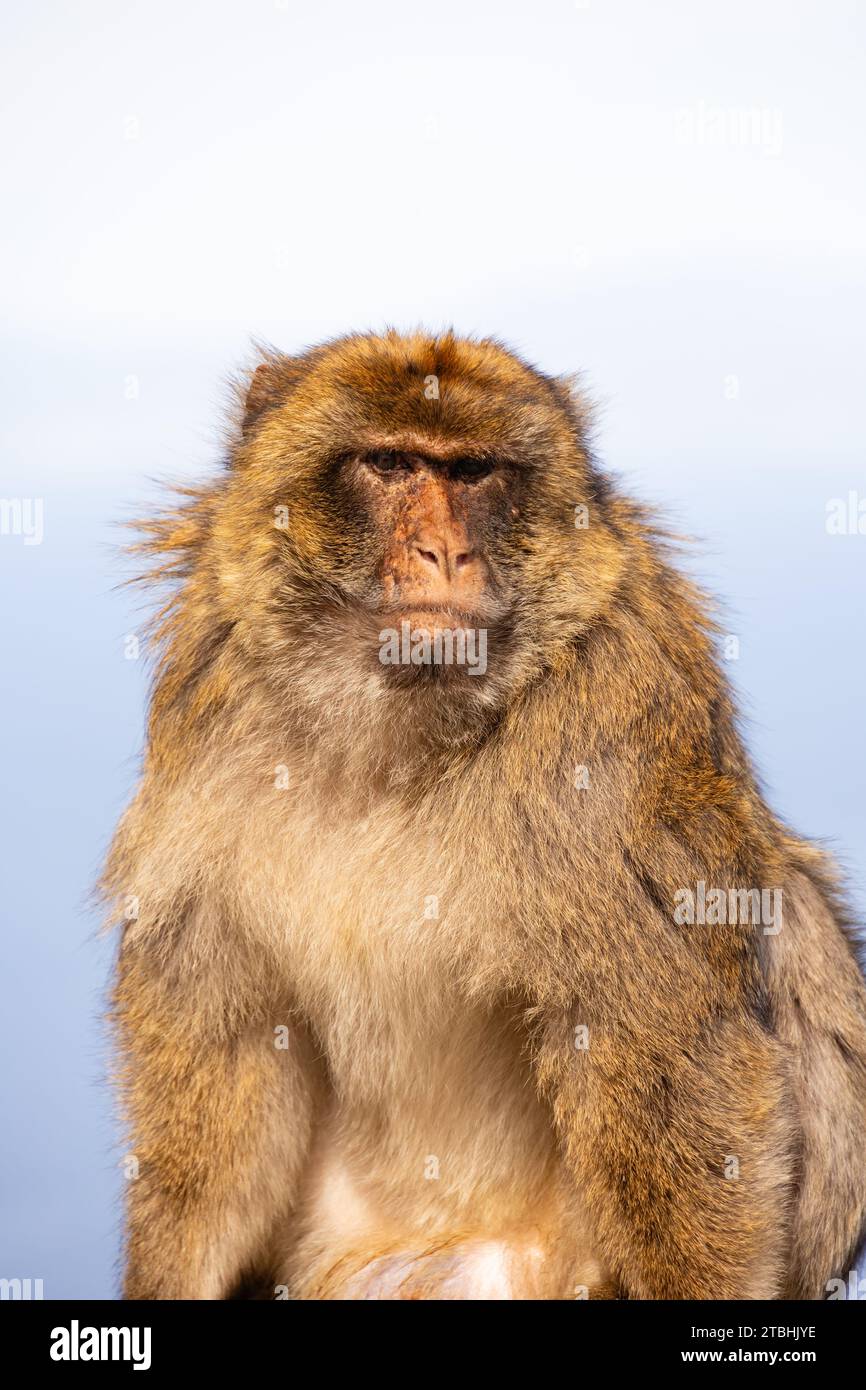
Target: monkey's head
{"points": [[411, 522]]}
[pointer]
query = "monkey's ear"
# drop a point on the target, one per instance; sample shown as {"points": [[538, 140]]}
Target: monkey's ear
{"points": [[269, 385], [262, 392]]}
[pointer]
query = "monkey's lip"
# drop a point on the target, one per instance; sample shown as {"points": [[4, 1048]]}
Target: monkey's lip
{"points": [[434, 616]]}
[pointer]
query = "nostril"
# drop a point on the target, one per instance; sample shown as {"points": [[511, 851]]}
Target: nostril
{"points": [[464, 558], [429, 555]]}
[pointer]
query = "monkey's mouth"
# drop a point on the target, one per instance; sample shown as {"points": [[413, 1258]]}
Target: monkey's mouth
{"points": [[440, 616], [444, 642], [437, 619]]}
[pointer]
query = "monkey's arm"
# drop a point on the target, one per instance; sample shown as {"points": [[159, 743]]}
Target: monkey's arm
{"points": [[669, 1091], [220, 1119], [679, 1144]]}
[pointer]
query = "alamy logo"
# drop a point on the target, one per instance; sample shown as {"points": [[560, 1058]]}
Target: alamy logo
{"points": [[24, 1289], [442, 647], [23, 516], [714, 907], [75, 1343], [736, 127], [846, 516], [854, 1289]]}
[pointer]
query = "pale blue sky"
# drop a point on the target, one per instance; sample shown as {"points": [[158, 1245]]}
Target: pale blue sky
{"points": [[668, 197]]}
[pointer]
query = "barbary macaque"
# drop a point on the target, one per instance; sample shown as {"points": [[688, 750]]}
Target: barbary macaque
{"points": [[450, 975]]}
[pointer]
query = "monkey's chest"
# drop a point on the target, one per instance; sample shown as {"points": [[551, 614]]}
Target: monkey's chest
{"points": [[377, 925], [435, 1162], [378, 947]]}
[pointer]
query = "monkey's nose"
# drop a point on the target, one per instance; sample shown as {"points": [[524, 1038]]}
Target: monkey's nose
{"points": [[437, 554], [431, 554]]}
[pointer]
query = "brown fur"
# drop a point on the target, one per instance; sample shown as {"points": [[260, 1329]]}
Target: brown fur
{"points": [[414, 1037]]}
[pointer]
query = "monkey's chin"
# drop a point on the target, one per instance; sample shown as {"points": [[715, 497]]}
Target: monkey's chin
{"points": [[432, 645]]}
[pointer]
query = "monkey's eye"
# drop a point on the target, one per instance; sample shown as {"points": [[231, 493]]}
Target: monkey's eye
{"points": [[387, 461], [470, 470]]}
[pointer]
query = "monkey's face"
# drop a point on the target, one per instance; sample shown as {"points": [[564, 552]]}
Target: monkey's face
{"points": [[436, 560], [437, 526], [427, 490]]}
